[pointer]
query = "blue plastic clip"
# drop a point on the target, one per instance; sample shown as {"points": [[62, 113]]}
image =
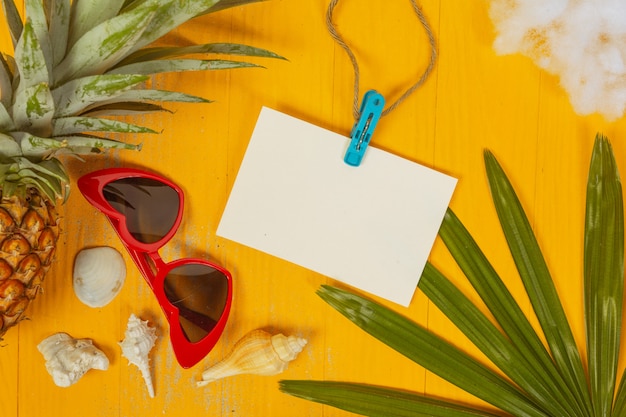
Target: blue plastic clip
{"points": [[371, 110]]}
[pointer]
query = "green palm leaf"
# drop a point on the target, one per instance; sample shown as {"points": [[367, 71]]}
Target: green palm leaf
{"points": [[551, 383], [430, 351], [514, 361], [604, 274], [377, 401], [536, 277], [502, 304]]}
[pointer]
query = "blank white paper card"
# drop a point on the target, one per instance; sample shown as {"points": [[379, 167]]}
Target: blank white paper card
{"points": [[370, 226]]}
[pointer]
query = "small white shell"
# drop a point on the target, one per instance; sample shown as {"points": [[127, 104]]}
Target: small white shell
{"points": [[258, 353], [68, 359], [99, 275], [138, 342]]}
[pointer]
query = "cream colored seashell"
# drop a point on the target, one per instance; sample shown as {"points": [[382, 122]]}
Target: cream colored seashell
{"points": [[138, 342], [257, 353], [99, 275], [68, 359]]}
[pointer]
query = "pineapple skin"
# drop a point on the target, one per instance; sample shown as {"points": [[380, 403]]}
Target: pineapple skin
{"points": [[29, 230]]}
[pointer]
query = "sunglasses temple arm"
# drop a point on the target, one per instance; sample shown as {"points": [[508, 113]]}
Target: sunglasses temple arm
{"points": [[148, 264]]}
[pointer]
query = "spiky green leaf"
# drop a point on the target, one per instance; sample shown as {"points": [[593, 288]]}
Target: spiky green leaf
{"points": [[170, 15], [30, 61], [149, 54], [6, 87], [59, 27], [123, 109], [40, 148], [503, 305], [34, 112], [6, 122], [65, 126], [536, 277], [13, 19], [176, 65], [225, 4], [375, 401], [619, 408], [87, 14], [39, 21], [72, 97], [139, 95], [603, 273], [430, 351], [9, 147], [104, 45], [511, 360]]}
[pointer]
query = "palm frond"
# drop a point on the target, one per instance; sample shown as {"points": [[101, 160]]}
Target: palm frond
{"points": [[548, 382], [603, 274]]}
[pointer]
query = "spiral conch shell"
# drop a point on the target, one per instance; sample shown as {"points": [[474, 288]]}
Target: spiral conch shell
{"points": [[138, 342], [68, 359], [257, 353], [99, 275]]}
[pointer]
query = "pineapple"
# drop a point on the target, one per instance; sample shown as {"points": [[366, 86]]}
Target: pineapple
{"points": [[76, 65]]}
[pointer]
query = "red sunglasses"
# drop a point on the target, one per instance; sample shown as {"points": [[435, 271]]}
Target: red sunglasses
{"points": [[145, 211]]}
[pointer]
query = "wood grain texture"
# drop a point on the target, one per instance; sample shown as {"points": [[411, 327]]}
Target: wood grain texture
{"points": [[474, 100]]}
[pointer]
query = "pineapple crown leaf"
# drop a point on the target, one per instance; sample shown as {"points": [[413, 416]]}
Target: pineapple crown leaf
{"points": [[13, 19], [19, 173], [83, 16], [38, 148], [224, 4], [6, 122], [150, 54], [30, 60], [76, 125], [71, 66], [59, 13], [6, 81], [177, 65], [105, 45], [76, 95], [170, 15], [123, 108], [36, 17]]}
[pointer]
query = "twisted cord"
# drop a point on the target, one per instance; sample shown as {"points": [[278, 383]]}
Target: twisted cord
{"points": [[357, 73]]}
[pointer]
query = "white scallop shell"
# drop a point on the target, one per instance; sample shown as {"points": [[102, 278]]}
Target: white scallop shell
{"points": [[99, 275], [68, 359], [136, 346]]}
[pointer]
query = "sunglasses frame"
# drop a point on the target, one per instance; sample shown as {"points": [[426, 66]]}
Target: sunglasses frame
{"points": [[92, 186]]}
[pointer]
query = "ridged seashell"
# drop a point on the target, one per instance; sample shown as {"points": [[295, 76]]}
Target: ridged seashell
{"points": [[257, 353], [99, 275], [68, 359], [138, 342]]}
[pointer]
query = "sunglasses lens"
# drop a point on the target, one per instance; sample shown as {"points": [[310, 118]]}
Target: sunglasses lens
{"points": [[200, 293], [149, 206]]}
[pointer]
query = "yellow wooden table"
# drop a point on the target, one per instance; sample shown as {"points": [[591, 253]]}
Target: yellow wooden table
{"points": [[474, 100]]}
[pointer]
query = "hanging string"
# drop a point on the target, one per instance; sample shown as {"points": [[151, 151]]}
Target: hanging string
{"points": [[357, 74]]}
